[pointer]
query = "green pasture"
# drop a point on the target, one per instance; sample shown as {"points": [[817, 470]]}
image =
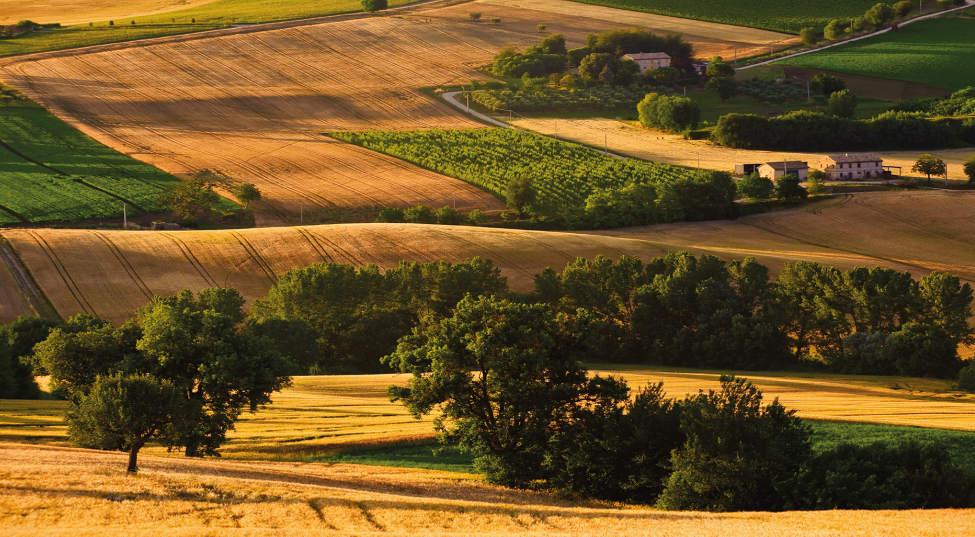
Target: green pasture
{"points": [[938, 52], [51, 172], [712, 108], [788, 17], [219, 14]]}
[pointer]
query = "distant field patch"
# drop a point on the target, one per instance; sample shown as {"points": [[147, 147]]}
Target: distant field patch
{"points": [[936, 52], [789, 17], [563, 173], [50, 172]]}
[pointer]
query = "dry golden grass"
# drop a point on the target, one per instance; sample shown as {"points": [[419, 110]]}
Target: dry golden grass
{"points": [[57, 491], [632, 140], [75, 11], [111, 273], [331, 414]]}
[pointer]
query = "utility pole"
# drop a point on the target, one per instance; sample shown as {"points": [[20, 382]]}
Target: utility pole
{"points": [[736, 57], [606, 143], [468, 95], [808, 94], [125, 217], [556, 131]]}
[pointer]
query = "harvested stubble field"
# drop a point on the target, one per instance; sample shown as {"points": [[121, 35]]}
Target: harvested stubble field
{"points": [[326, 415], [111, 273], [251, 106], [73, 11], [58, 491], [632, 140]]}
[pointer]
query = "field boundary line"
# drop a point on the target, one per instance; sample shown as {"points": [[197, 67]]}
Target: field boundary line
{"points": [[117, 252], [209, 34], [968, 4], [63, 273], [28, 285], [28, 159], [252, 252], [107, 193]]}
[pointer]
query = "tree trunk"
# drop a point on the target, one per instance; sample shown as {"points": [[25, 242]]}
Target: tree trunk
{"points": [[133, 458]]}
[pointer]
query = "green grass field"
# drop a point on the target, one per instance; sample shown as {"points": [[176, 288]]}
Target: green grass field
{"points": [[51, 172], [219, 14], [937, 52], [788, 17]]}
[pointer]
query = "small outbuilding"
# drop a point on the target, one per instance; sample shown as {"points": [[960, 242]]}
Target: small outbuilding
{"points": [[648, 61], [852, 166], [774, 170], [745, 169]]}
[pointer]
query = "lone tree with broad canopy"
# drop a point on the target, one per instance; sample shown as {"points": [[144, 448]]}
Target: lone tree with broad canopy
{"points": [[506, 378], [196, 346], [371, 6], [122, 413], [717, 67], [246, 193], [192, 199], [930, 165]]}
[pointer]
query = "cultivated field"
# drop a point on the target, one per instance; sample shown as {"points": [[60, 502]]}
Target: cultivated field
{"points": [[73, 11], [769, 14], [331, 414], [927, 52], [111, 273], [65, 492], [630, 139], [251, 107]]}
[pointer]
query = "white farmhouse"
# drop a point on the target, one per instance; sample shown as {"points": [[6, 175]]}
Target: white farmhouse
{"points": [[648, 61], [856, 166], [774, 170]]}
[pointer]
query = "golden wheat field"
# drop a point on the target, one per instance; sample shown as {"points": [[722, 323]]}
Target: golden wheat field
{"points": [[629, 139], [111, 273], [330, 414], [75, 11], [60, 491]]}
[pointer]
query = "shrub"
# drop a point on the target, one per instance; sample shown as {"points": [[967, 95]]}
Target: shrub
{"points": [[540, 28], [754, 186], [788, 189], [370, 6], [966, 378], [663, 76], [496, 20], [808, 36], [923, 350], [842, 103], [969, 167], [474, 16], [906, 475], [903, 7], [418, 215], [826, 84], [477, 218], [391, 215], [879, 15], [449, 217], [736, 450], [664, 112], [814, 183], [593, 65], [834, 30]]}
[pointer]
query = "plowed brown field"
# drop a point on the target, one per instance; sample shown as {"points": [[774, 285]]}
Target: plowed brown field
{"points": [[111, 273]]}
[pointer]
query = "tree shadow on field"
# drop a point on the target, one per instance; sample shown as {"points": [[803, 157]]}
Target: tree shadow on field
{"points": [[82, 82]]}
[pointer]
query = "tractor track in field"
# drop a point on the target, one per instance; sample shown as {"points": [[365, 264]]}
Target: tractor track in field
{"points": [[35, 296], [63, 273]]}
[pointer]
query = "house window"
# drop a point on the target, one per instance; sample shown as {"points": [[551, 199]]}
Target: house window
{"points": [[858, 164]]}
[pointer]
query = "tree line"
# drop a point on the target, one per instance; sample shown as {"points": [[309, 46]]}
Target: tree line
{"points": [[534, 418]]}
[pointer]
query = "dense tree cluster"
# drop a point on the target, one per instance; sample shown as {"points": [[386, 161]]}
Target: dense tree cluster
{"points": [[811, 131], [506, 381]]}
